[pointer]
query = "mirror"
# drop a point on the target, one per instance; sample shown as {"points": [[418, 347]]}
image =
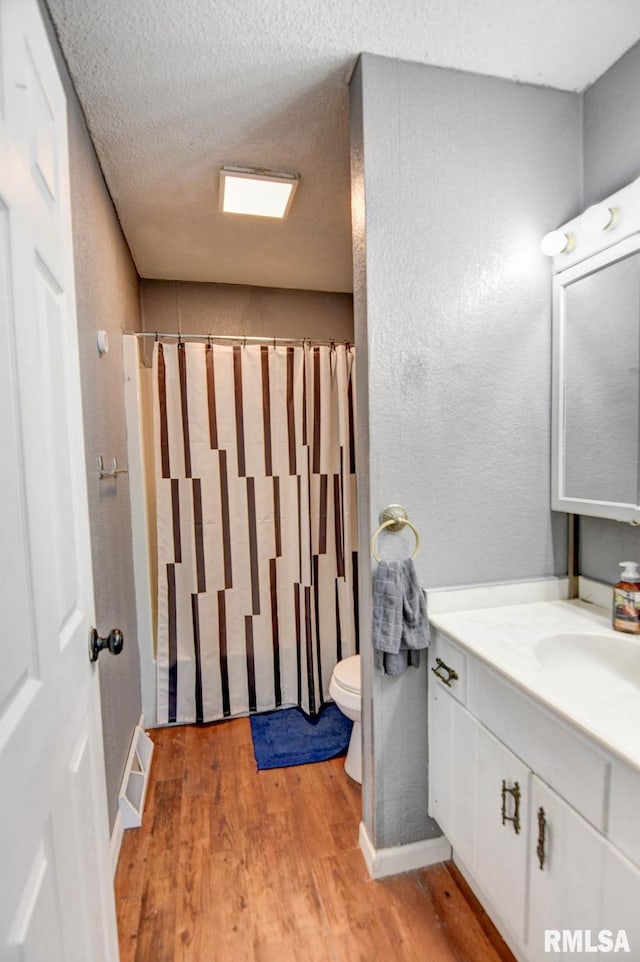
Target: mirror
{"points": [[596, 385]]}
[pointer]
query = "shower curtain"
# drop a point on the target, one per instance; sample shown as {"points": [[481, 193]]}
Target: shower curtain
{"points": [[256, 515]]}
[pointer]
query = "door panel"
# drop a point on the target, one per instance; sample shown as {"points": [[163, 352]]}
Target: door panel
{"points": [[621, 898], [42, 134], [452, 760], [50, 321], [76, 827], [566, 892], [36, 931], [500, 850], [440, 753], [56, 896], [18, 645]]}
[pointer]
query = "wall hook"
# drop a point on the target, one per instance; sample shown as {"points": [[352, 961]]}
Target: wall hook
{"points": [[113, 473]]}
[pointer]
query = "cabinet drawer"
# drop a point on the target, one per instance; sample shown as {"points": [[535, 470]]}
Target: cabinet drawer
{"points": [[447, 664], [561, 758]]}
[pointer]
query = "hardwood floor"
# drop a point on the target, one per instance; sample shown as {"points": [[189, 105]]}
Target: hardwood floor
{"points": [[234, 865]]}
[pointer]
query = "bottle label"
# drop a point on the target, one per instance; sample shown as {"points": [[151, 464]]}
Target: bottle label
{"points": [[626, 609]]}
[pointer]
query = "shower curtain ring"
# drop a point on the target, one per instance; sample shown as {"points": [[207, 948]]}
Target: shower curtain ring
{"points": [[156, 338], [244, 340]]}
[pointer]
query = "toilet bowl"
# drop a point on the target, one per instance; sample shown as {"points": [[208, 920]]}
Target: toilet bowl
{"points": [[346, 691]]}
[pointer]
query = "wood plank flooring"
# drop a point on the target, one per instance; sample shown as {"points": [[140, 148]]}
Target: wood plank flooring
{"points": [[234, 865]]}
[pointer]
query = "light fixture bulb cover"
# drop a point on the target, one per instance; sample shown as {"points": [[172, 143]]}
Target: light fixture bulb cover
{"points": [[256, 191], [597, 218], [557, 242]]}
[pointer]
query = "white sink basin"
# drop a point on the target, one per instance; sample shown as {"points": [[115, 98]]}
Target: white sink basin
{"points": [[584, 653]]}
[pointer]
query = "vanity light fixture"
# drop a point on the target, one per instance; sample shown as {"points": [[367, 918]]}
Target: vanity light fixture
{"points": [[557, 242], [256, 191], [598, 217]]}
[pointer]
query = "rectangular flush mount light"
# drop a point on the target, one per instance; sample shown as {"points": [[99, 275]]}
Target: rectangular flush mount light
{"points": [[263, 193]]}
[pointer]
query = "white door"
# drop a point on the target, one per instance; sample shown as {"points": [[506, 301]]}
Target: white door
{"points": [[452, 772], [56, 898], [567, 859], [621, 899], [501, 829]]}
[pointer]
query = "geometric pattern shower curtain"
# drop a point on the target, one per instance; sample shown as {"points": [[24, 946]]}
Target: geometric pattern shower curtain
{"points": [[256, 515]]}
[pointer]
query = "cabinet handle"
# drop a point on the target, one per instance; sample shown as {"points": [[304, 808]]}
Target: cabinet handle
{"points": [[451, 675], [515, 794], [542, 833]]}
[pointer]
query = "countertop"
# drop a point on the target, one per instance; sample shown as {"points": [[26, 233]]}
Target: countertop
{"points": [[592, 680]]}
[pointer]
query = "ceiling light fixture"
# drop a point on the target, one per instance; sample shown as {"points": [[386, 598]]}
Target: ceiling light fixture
{"points": [[598, 217], [557, 242], [255, 191]]}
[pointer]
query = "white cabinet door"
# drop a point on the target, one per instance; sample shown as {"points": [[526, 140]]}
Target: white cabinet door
{"points": [[501, 829], [621, 900], [567, 863], [56, 897], [452, 763], [467, 767]]}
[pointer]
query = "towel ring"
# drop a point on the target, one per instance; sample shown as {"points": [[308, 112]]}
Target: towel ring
{"points": [[387, 524]]}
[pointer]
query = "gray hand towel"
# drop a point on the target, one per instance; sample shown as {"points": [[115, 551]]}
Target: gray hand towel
{"points": [[400, 626], [415, 627], [387, 606]]}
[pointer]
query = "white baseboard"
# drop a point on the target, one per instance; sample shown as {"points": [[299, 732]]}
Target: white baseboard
{"points": [[402, 858], [116, 841]]}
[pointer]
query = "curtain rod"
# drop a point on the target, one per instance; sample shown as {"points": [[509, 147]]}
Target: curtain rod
{"points": [[240, 337]]}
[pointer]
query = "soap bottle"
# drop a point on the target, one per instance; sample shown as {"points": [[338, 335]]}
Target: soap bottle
{"points": [[626, 599]]}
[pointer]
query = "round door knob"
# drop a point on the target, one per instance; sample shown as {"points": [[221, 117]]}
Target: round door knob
{"points": [[114, 642]]}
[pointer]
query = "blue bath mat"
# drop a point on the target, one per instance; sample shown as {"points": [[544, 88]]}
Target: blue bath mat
{"points": [[287, 737]]}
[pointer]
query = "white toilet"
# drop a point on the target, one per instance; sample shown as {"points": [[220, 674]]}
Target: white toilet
{"points": [[346, 691]]}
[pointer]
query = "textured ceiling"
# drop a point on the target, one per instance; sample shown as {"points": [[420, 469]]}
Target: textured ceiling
{"points": [[173, 89]]}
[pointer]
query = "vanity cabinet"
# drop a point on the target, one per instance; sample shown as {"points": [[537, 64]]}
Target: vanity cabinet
{"points": [[559, 870], [478, 794]]}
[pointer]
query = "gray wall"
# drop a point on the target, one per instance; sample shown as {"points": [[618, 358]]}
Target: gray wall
{"points": [[461, 175], [611, 160], [170, 306], [107, 299], [612, 129]]}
